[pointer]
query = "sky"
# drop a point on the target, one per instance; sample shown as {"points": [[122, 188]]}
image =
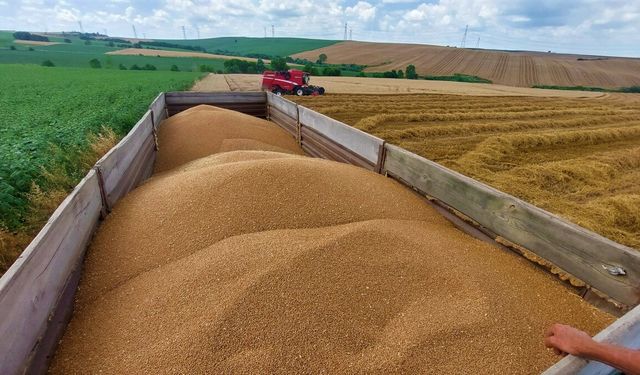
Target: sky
{"points": [[599, 27]]}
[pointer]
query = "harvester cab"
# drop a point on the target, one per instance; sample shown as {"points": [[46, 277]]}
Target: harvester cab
{"points": [[291, 81]]}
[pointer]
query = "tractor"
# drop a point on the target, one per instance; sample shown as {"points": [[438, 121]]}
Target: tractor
{"points": [[291, 81]]}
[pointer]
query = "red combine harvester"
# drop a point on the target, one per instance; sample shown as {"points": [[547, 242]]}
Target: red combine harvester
{"points": [[289, 82]]}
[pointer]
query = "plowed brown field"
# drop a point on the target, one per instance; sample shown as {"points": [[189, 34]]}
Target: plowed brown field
{"points": [[507, 68], [579, 158]]}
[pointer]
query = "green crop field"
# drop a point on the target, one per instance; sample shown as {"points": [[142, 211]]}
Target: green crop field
{"points": [[45, 109], [267, 46], [77, 54]]}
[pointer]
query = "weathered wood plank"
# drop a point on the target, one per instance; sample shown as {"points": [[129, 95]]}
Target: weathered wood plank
{"points": [[283, 105], [119, 167], [284, 122], [175, 98], [158, 108], [218, 94], [361, 143], [327, 149], [32, 287], [625, 331], [582, 253]]}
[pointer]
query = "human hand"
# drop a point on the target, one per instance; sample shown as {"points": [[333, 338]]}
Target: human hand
{"points": [[568, 340]]}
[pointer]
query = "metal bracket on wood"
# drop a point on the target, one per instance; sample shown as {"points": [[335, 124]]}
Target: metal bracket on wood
{"points": [[298, 126], [381, 158], [103, 194], [154, 132], [268, 111]]}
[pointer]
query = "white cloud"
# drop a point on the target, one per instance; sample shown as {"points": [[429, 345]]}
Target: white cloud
{"points": [[362, 11]]}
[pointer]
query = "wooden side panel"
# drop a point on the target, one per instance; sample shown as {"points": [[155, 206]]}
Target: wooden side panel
{"points": [[584, 254], [624, 331], [317, 145], [287, 123], [158, 108], [128, 163], [348, 137], [283, 105], [31, 289], [251, 103]]}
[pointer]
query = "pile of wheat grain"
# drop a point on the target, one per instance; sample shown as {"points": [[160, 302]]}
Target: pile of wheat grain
{"points": [[263, 262]]}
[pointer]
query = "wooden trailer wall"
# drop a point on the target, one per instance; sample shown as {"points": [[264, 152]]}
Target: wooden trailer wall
{"points": [[36, 293]]}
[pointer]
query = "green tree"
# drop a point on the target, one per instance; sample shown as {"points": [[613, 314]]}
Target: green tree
{"points": [[322, 58], [13, 48], [400, 73], [309, 68], [48, 63], [174, 68], [329, 71], [411, 72], [135, 67], [149, 67], [279, 63], [95, 63], [31, 49], [260, 66], [87, 42], [122, 67]]}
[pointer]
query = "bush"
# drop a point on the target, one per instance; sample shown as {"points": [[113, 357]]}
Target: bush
{"points": [[206, 68], [87, 42], [329, 71], [149, 67], [135, 67], [13, 48], [390, 74], [260, 66], [411, 72], [400, 73], [171, 45], [632, 89], [67, 40], [31, 49], [111, 44], [95, 64], [48, 63], [309, 68], [174, 68], [361, 74], [122, 67], [23, 35], [279, 64]]}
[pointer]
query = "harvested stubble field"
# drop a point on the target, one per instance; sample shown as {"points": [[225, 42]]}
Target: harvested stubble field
{"points": [[359, 85], [240, 255], [577, 158]]}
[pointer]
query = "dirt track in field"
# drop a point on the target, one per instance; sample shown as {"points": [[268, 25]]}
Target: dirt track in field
{"points": [[574, 157], [34, 42], [166, 53], [356, 85], [523, 69]]}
